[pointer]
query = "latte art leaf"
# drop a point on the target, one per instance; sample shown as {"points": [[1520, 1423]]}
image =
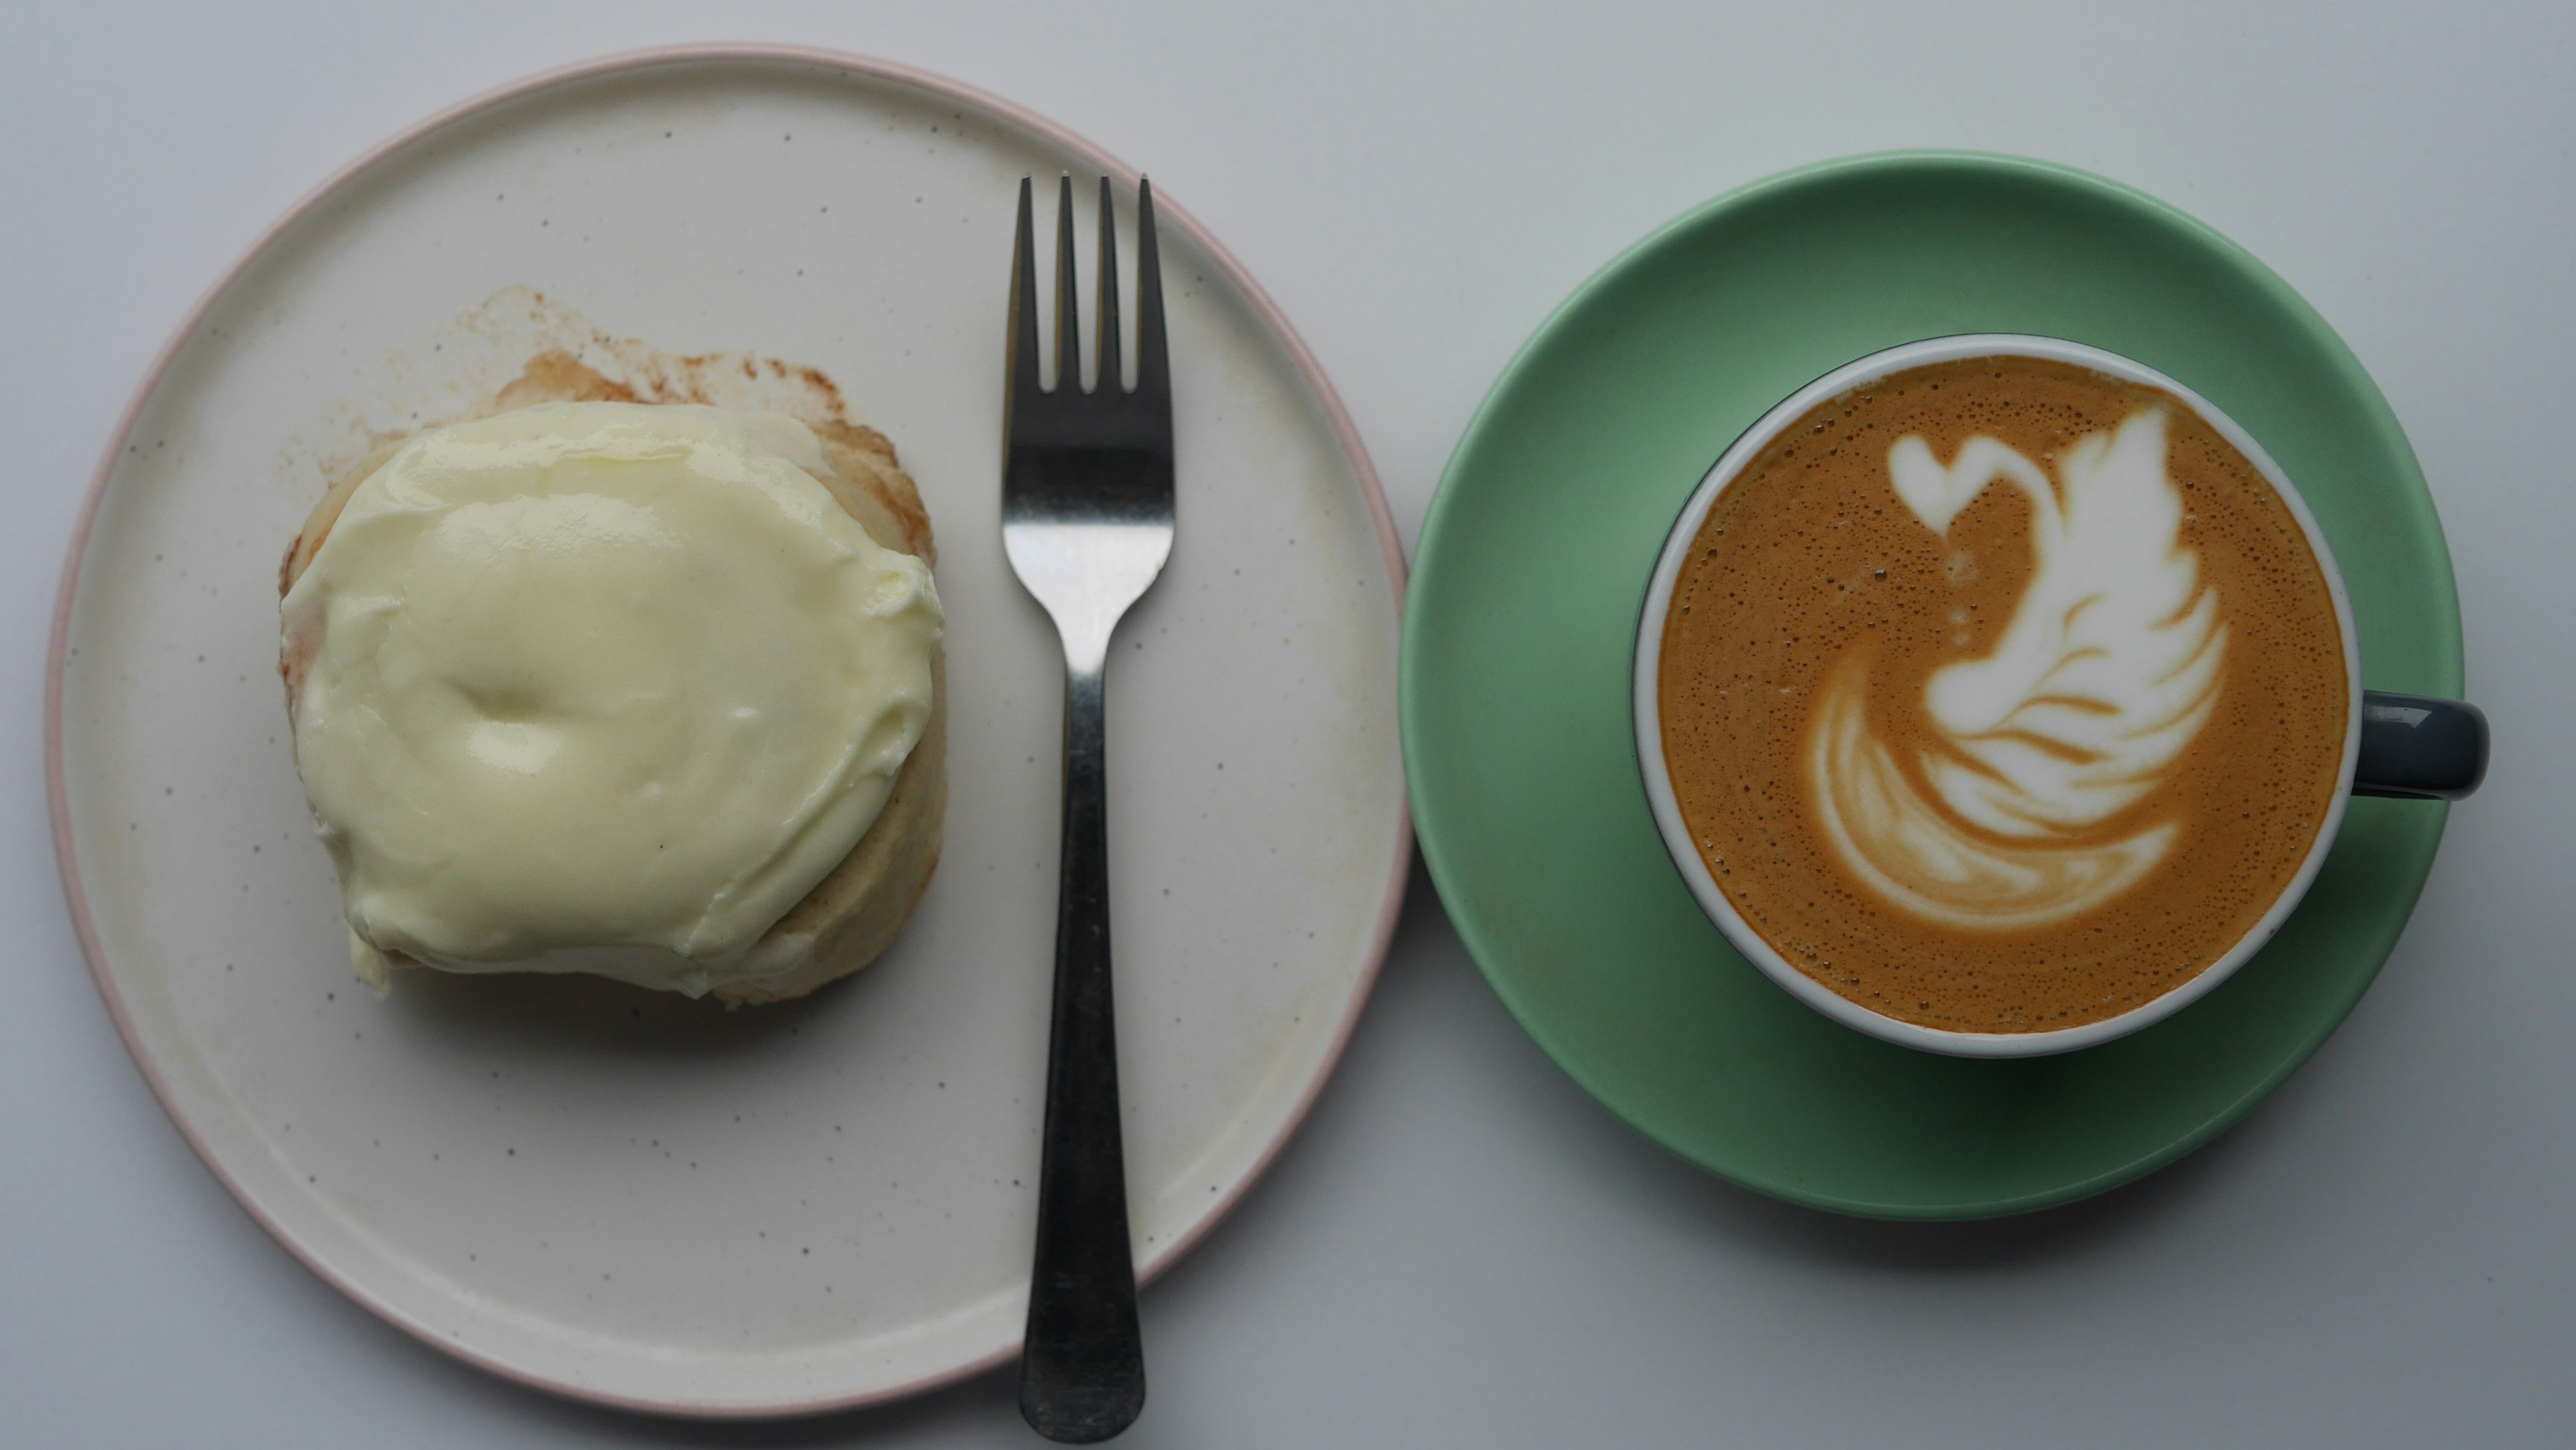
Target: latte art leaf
{"points": [[2106, 672]]}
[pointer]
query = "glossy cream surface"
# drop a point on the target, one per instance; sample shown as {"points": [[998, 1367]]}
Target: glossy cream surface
{"points": [[602, 687]]}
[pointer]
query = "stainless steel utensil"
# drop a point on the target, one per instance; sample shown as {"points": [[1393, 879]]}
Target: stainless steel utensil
{"points": [[1087, 523]]}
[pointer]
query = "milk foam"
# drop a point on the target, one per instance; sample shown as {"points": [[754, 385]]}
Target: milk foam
{"points": [[2106, 672]]}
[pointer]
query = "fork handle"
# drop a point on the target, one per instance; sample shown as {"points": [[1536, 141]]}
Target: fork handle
{"points": [[1082, 1370]]}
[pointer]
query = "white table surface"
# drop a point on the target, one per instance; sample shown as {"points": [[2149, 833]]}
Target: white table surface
{"points": [[1461, 1248]]}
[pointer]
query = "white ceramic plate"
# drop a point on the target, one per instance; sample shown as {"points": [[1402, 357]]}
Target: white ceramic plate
{"points": [[634, 1198]]}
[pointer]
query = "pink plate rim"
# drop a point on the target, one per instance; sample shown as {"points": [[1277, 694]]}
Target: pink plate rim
{"points": [[1168, 212]]}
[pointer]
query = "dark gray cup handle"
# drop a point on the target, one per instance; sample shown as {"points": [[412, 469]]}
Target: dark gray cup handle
{"points": [[2417, 747]]}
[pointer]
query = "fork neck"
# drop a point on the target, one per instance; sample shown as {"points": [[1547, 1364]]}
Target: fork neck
{"points": [[1086, 649]]}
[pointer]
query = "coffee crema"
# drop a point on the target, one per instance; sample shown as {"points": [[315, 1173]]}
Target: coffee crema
{"points": [[2002, 695]]}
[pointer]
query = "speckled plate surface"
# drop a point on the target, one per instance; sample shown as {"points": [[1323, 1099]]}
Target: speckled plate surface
{"points": [[635, 1198]]}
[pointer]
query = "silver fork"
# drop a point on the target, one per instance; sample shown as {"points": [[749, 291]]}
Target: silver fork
{"points": [[1087, 523]]}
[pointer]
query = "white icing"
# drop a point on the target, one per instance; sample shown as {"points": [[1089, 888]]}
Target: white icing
{"points": [[2106, 672], [601, 687]]}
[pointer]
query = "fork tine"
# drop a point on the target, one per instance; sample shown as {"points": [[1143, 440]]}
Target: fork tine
{"points": [[1068, 324], [1023, 372], [1111, 375], [1153, 356]]}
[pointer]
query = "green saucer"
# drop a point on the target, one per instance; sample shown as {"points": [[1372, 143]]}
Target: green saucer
{"points": [[1523, 615]]}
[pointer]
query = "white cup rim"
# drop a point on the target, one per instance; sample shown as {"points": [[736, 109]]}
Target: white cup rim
{"points": [[1647, 716]]}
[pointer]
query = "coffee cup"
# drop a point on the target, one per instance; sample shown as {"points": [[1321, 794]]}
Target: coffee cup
{"points": [[1999, 696]]}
